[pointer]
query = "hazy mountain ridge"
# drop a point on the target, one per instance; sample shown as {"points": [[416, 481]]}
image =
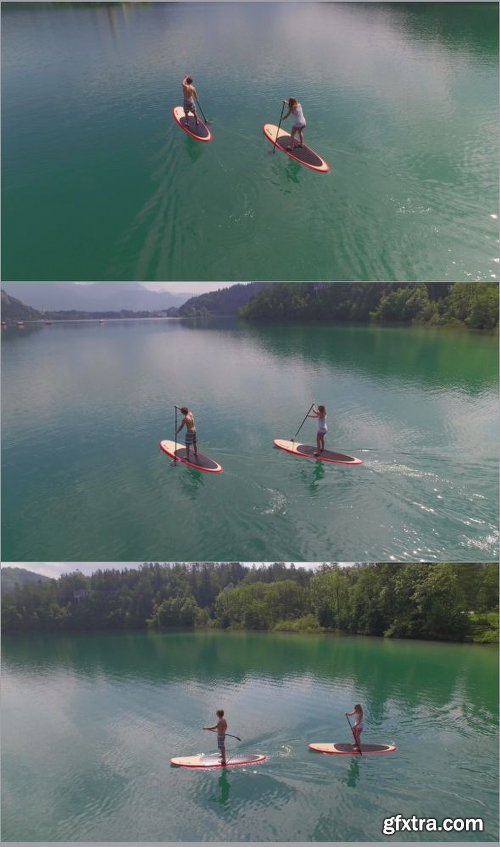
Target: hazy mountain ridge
{"points": [[13, 310], [95, 297], [12, 577], [96, 303]]}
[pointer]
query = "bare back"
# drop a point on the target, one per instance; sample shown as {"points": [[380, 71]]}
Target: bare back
{"points": [[189, 91], [190, 423]]}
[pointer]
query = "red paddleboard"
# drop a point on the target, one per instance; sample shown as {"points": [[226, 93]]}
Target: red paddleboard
{"points": [[338, 749], [307, 451], [305, 155], [200, 463], [213, 761], [200, 132]]}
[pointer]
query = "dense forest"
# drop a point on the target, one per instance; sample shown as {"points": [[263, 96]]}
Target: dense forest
{"points": [[474, 305], [427, 601], [224, 301]]}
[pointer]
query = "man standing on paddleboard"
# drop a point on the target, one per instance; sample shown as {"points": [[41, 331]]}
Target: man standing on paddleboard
{"points": [[190, 95], [221, 727], [299, 121], [189, 423]]}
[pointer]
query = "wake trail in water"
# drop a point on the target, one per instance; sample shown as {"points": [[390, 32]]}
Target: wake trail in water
{"points": [[153, 217], [162, 234]]}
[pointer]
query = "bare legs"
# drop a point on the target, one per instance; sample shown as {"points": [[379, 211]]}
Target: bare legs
{"points": [[299, 131], [357, 737], [186, 113], [320, 443], [195, 449]]}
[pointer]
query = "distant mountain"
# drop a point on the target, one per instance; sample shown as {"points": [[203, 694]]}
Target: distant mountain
{"points": [[95, 297], [18, 576], [13, 310], [225, 301]]}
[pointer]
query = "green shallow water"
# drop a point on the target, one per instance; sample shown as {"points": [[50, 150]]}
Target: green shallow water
{"points": [[84, 407], [99, 183], [89, 724]]}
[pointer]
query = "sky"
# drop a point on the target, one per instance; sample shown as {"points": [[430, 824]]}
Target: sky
{"points": [[179, 287], [186, 287], [55, 569]]}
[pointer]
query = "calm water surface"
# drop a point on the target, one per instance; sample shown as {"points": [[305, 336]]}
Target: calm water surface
{"points": [[89, 724], [84, 407], [99, 183]]}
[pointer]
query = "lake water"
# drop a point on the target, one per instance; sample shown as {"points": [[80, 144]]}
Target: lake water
{"points": [[85, 405], [99, 183], [89, 724]]}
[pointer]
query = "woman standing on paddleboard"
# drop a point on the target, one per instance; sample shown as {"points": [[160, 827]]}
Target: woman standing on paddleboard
{"points": [[358, 727], [319, 412], [295, 109]]}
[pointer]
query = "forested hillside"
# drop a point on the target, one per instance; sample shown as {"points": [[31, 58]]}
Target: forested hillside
{"points": [[13, 310], [474, 305], [431, 601], [225, 301]]}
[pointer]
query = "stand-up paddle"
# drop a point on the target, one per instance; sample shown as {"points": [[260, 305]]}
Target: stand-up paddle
{"points": [[303, 422], [356, 744], [202, 112], [279, 124], [228, 734]]}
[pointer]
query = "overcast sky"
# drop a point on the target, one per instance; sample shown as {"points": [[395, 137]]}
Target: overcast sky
{"points": [[55, 569], [179, 287], [186, 287]]}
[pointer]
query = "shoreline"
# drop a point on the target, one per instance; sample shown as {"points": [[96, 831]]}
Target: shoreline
{"points": [[333, 633], [247, 322]]}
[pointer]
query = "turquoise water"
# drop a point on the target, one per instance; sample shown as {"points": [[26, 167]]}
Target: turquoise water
{"points": [[85, 405], [99, 182], [89, 724]]}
